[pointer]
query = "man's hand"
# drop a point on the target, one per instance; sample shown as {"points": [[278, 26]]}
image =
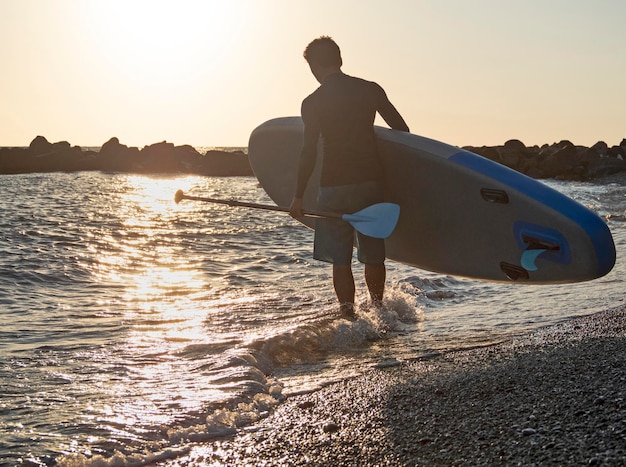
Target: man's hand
{"points": [[295, 210]]}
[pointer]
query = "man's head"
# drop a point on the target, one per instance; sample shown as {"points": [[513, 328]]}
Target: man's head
{"points": [[324, 52], [324, 57]]}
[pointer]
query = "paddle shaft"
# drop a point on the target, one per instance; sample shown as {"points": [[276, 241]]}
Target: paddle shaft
{"points": [[266, 207]]}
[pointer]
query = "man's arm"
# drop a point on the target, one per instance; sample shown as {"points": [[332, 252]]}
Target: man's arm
{"points": [[390, 114], [308, 157]]}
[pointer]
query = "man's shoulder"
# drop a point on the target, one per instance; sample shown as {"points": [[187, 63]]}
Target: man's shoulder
{"points": [[366, 88], [363, 82]]}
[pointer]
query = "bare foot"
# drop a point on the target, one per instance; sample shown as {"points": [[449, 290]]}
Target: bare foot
{"points": [[346, 311]]}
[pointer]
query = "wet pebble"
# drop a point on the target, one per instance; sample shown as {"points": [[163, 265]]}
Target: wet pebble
{"points": [[330, 427]]}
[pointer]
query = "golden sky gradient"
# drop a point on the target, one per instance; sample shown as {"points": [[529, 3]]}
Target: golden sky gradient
{"points": [[206, 73]]}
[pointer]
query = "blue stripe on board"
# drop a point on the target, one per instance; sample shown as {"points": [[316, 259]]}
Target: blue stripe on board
{"points": [[594, 226]]}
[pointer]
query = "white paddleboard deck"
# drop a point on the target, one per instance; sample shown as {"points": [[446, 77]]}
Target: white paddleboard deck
{"points": [[461, 214]]}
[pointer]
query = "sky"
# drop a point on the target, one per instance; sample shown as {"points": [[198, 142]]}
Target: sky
{"points": [[206, 73]]}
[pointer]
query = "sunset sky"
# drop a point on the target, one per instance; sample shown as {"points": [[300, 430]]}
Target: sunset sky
{"points": [[206, 73]]}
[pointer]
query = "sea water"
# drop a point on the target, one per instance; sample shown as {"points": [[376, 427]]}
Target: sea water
{"points": [[134, 328]]}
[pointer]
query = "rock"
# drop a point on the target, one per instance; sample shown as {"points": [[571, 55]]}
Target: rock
{"points": [[111, 147], [14, 160], [160, 158], [330, 427], [61, 146], [618, 152], [514, 145], [186, 148], [601, 148], [516, 155], [605, 166], [39, 146], [563, 164], [117, 157], [564, 143], [512, 153]]}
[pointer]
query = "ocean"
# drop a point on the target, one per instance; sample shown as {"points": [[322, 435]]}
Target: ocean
{"points": [[134, 328]]}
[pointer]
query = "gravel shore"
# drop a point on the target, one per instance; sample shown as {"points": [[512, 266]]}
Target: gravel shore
{"points": [[554, 397]]}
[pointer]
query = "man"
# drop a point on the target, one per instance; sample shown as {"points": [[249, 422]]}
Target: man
{"points": [[342, 110]]}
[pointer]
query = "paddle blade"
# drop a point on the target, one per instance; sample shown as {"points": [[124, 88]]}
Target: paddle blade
{"points": [[377, 220], [178, 197]]}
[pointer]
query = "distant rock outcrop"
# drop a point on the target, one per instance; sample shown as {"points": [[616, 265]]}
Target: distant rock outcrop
{"points": [[158, 158], [43, 156], [562, 160]]}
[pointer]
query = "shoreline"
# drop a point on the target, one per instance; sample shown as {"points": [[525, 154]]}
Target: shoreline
{"points": [[556, 396]]}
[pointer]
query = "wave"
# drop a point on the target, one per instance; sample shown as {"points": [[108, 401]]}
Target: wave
{"points": [[248, 370]]}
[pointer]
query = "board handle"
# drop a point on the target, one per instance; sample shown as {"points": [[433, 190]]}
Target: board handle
{"points": [[494, 196]]}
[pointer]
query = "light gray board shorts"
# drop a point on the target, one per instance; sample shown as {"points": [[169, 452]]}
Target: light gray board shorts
{"points": [[334, 238]]}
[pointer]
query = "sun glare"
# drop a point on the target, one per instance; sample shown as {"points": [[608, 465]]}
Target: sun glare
{"points": [[162, 42]]}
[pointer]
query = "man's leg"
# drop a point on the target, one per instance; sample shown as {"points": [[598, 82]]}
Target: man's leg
{"points": [[375, 276], [343, 280]]}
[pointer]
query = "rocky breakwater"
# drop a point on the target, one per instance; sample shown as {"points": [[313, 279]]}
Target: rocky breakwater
{"points": [[158, 158], [563, 160]]}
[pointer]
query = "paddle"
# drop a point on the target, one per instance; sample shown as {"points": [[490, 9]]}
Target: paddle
{"points": [[377, 220]]}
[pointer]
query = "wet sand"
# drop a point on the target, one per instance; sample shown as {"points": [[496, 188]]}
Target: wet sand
{"points": [[554, 397]]}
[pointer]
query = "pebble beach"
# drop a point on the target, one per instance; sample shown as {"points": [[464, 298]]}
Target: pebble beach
{"points": [[553, 397]]}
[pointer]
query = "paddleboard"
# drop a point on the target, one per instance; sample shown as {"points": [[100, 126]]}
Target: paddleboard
{"points": [[460, 214]]}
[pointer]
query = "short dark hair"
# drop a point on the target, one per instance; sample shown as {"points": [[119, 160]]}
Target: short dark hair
{"points": [[323, 51]]}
